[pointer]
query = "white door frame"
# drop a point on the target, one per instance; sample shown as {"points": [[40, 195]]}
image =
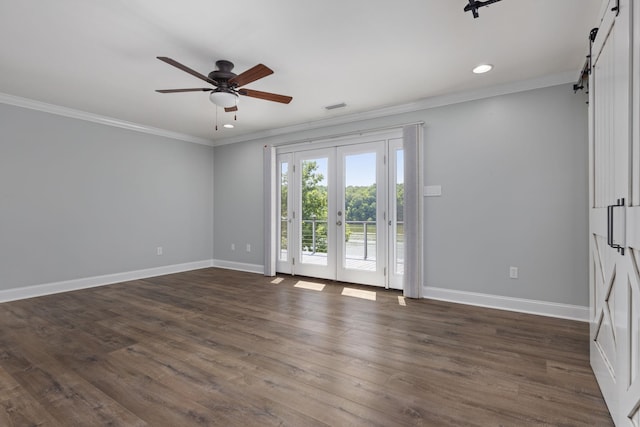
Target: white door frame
{"points": [[394, 277], [306, 151], [327, 270], [343, 272]]}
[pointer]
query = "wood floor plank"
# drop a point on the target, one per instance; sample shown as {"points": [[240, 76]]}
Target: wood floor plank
{"points": [[142, 395], [220, 347], [18, 408], [71, 401], [208, 384]]}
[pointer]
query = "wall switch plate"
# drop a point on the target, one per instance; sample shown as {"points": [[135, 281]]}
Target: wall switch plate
{"points": [[433, 190], [159, 250], [233, 246], [248, 247], [513, 272]]}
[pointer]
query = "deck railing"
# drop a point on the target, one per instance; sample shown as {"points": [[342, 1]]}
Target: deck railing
{"points": [[314, 236]]}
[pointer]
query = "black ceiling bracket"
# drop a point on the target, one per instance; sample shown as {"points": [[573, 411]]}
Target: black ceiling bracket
{"points": [[474, 5]]}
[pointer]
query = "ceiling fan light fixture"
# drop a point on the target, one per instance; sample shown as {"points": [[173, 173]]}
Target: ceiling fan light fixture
{"points": [[224, 99], [482, 68]]}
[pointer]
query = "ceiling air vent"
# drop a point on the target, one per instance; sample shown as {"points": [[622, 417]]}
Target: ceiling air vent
{"points": [[335, 106]]}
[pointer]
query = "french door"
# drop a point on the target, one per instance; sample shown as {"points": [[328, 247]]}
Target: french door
{"points": [[338, 212], [615, 212]]}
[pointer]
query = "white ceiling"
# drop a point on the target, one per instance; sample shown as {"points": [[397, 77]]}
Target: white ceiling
{"points": [[100, 56]]}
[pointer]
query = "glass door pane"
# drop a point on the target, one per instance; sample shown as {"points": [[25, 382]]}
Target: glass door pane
{"points": [[314, 212], [360, 211], [398, 240], [396, 217], [283, 253], [315, 190], [360, 214], [285, 210]]}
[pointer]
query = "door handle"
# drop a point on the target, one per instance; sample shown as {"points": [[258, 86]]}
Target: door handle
{"points": [[339, 223], [610, 226]]}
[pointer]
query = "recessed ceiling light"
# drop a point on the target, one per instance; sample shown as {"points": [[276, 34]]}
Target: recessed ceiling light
{"points": [[228, 126], [482, 68]]}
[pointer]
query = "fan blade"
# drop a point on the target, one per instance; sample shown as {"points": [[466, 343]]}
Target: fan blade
{"points": [[186, 69], [201, 89], [251, 75], [231, 109], [265, 95]]}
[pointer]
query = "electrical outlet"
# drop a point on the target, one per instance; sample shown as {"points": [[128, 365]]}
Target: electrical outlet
{"points": [[233, 246], [248, 247], [513, 272], [159, 250]]}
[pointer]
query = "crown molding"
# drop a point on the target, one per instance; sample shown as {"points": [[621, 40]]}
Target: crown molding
{"points": [[424, 104], [96, 118]]}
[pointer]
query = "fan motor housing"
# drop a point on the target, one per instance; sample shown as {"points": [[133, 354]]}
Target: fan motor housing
{"points": [[223, 72]]}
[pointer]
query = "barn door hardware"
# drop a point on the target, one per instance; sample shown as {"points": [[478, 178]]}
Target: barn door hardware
{"points": [[586, 69], [616, 8], [579, 85], [592, 37], [474, 5], [610, 214]]}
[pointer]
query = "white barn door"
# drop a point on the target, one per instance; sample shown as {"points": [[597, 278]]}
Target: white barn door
{"points": [[603, 258], [614, 213], [630, 315]]}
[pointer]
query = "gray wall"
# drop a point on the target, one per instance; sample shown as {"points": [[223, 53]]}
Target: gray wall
{"points": [[513, 170], [238, 203], [80, 199]]}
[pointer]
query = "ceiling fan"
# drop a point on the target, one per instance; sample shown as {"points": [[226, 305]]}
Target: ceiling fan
{"points": [[228, 85]]}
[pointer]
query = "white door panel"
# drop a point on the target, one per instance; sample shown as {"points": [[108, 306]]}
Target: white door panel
{"points": [[630, 395], [362, 233], [603, 257], [615, 214], [314, 215]]}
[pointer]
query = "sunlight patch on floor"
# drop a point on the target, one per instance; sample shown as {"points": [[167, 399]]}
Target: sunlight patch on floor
{"points": [[277, 280], [401, 301], [359, 293], [309, 285]]}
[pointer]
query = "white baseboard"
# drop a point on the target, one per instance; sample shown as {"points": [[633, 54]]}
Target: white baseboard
{"points": [[542, 308], [91, 282], [239, 266]]}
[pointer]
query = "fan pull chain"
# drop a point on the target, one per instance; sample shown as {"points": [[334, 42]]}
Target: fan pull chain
{"points": [[216, 118]]}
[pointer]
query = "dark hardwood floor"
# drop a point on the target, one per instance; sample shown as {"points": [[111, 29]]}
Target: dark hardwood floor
{"points": [[217, 347]]}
